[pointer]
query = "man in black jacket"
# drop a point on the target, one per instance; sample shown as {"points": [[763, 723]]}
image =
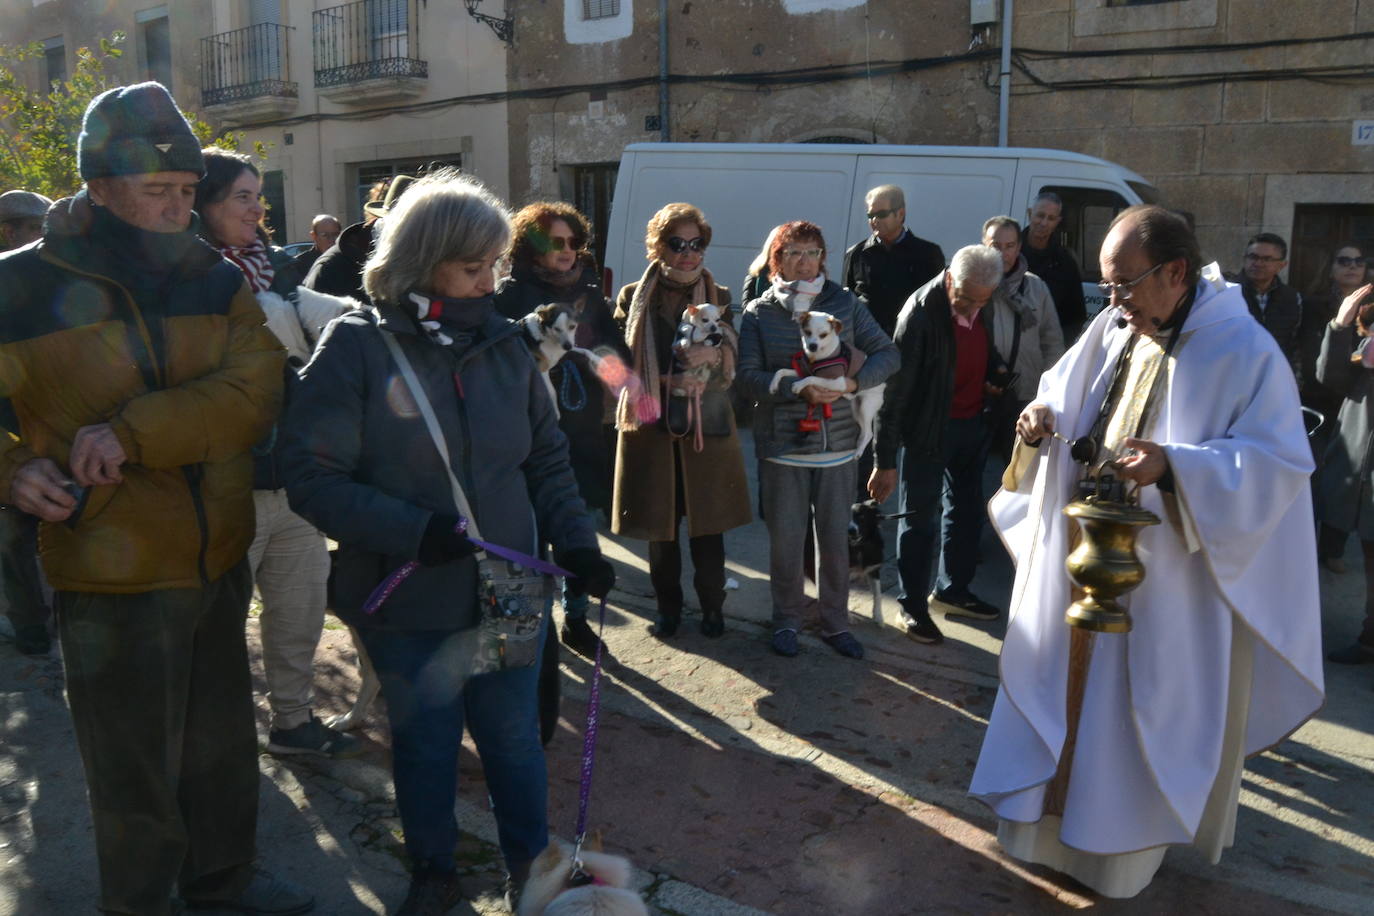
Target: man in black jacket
{"points": [[933, 411], [1052, 262], [339, 271], [1276, 306], [887, 267]]}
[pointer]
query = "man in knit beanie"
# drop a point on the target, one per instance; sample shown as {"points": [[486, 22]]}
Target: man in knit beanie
{"points": [[141, 374]]}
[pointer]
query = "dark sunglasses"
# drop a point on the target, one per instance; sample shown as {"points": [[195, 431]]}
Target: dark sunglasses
{"points": [[678, 244], [558, 243], [1344, 261], [880, 214]]}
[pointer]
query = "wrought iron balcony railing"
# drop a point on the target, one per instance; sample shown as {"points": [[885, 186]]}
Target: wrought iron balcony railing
{"points": [[245, 64], [369, 39]]}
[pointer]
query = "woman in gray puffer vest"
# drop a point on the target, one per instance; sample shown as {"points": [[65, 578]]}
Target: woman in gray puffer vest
{"points": [[807, 437]]}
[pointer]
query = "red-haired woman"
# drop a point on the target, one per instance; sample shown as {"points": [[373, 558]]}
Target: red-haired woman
{"points": [[661, 478], [550, 264], [806, 436]]}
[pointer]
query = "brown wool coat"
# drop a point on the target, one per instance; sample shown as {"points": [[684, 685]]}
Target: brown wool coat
{"points": [[715, 489]]}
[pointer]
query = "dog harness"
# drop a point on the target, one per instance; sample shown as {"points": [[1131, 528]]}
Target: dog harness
{"points": [[804, 367]]}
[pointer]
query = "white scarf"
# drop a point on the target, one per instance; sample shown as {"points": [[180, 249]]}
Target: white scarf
{"points": [[798, 295]]}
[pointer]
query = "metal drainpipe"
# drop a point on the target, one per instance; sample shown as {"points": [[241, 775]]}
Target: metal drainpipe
{"points": [[1004, 91], [663, 132]]}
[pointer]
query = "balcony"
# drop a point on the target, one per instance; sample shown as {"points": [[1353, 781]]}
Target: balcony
{"points": [[368, 52], [245, 74]]}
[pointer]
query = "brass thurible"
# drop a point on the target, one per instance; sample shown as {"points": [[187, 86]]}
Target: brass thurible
{"points": [[1105, 564]]}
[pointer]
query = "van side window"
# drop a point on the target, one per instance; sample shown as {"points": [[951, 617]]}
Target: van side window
{"points": [[1087, 214]]}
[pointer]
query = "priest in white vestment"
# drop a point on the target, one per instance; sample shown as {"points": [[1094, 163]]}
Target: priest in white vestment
{"points": [[1104, 749]]}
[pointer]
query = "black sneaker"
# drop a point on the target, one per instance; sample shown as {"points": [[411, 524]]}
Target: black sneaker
{"points": [[312, 737], [431, 894], [1354, 654], [265, 895], [922, 629], [966, 605], [32, 639], [579, 636], [845, 644]]}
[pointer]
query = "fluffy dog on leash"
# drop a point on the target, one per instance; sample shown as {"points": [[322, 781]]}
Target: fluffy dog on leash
{"points": [[866, 550], [551, 890]]}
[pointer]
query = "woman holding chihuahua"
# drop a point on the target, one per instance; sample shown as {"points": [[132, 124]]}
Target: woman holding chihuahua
{"points": [[550, 264], [420, 428], [660, 475], [1346, 497], [806, 435]]}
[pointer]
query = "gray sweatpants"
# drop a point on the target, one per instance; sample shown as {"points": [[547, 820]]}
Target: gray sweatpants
{"points": [[789, 496]]}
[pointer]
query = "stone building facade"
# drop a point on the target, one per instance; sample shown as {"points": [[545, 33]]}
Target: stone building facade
{"points": [[342, 95], [1206, 98]]}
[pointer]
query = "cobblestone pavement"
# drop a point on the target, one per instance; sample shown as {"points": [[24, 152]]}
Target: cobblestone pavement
{"points": [[739, 782]]}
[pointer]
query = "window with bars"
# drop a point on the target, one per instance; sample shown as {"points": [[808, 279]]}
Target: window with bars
{"points": [[379, 174], [600, 9], [54, 61]]}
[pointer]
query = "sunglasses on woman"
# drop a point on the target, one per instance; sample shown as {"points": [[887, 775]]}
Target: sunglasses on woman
{"points": [[678, 244], [1346, 261], [560, 243]]}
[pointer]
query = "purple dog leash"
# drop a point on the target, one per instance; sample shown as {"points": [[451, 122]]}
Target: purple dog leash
{"points": [[584, 792], [388, 585]]}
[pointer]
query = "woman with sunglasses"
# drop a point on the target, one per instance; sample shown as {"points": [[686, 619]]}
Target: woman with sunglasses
{"points": [[1343, 276], [550, 264], [661, 476], [1346, 498]]}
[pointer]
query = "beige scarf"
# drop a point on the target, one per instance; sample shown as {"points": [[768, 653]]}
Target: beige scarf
{"points": [[641, 401]]}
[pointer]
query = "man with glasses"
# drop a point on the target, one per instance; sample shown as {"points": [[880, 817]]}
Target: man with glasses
{"points": [[1104, 746], [888, 266], [1276, 306]]}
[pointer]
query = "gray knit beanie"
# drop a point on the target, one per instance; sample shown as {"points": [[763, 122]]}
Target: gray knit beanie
{"points": [[134, 130]]}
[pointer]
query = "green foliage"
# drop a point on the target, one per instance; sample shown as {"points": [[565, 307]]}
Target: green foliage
{"points": [[38, 129]]}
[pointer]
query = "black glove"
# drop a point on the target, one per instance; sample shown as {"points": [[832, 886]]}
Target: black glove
{"points": [[592, 573], [441, 544]]}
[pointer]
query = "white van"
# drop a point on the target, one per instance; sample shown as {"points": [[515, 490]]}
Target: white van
{"points": [[745, 189]]}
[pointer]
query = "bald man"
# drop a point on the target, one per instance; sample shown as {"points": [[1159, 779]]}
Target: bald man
{"points": [[1106, 747]]}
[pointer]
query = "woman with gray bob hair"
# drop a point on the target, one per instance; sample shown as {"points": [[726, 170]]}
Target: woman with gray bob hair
{"points": [[976, 265], [444, 216], [362, 465]]}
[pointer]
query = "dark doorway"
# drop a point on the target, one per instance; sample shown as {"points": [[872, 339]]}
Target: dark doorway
{"points": [[593, 188], [1318, 230], [274, 195]]}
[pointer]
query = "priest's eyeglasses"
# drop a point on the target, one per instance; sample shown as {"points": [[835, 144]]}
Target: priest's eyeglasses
{"points": [[1124, 291]]}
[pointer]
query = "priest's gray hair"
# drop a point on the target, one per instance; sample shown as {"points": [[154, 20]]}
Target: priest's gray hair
{"points": [[976, 265], [444, 216]]}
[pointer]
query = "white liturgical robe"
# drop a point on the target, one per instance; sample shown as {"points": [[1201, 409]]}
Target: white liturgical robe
{"points": [[1231, 578]]}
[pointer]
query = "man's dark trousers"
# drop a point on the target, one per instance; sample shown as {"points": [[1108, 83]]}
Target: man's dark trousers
{"points": [[945, 497], [162, 702]]}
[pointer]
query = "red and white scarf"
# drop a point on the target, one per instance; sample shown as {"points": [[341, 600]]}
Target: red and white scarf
{"points": [[254, 263]]}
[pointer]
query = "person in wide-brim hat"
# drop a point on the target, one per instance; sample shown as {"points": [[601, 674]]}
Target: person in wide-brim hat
{"points": [[339, 271]]}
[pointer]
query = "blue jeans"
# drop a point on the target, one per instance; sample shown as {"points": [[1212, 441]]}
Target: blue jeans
{"points": [[574, 606], [429, 697], [947, 499]]}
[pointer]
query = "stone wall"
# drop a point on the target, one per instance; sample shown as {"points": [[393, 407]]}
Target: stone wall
{"points": [[1214, 130]]}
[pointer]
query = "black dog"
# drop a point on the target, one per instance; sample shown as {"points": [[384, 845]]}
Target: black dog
{"points": [[866, 549]]}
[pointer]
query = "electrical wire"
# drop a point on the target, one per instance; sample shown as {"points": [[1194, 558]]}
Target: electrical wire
{"points": [[866, 70]]}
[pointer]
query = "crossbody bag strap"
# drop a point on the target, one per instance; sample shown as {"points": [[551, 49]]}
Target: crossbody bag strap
{"points": [[417, 393]]}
